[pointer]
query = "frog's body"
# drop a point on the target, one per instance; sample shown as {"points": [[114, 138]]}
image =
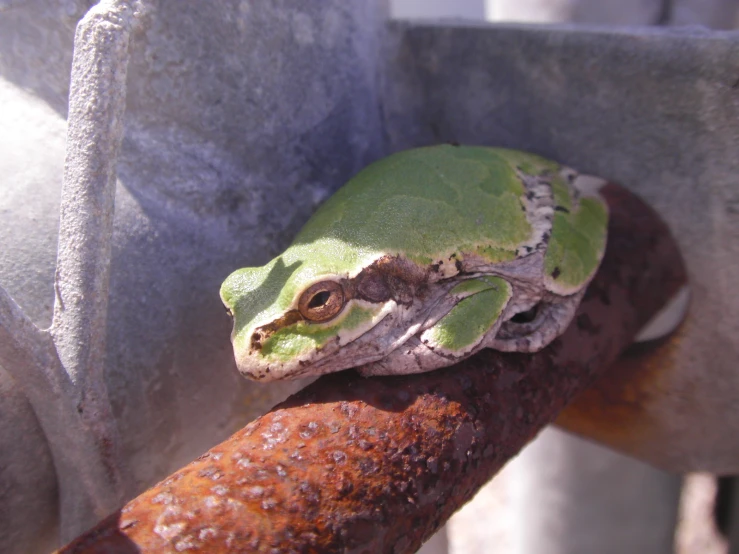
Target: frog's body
{"points": [[420, 260]]}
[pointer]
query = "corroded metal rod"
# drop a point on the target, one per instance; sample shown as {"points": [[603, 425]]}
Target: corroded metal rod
{"points": [[377, 465]]}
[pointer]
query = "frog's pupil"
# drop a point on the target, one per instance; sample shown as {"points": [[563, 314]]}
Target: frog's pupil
{"points": [[319, 299]]}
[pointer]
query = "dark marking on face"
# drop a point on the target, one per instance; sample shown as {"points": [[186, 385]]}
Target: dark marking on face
{"points": [[458, 265], [561, 209], [262, 333], [556, 273], [390, 277], [371, 286], [435, 267], [405, 279]]}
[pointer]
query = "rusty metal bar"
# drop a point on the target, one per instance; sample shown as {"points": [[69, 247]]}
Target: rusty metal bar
{"points": [[377, 465]]}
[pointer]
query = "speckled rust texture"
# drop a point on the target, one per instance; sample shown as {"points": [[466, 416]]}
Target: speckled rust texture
{"points": [[377, 465]]}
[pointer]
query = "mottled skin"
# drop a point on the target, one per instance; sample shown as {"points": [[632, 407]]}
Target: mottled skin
{"points": [[420, 260]]}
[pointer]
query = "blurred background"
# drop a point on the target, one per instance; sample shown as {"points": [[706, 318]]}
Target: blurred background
{"points": [[714, 14]]}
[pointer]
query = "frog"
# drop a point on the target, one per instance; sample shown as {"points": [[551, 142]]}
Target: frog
{"points": [[422, 259]]}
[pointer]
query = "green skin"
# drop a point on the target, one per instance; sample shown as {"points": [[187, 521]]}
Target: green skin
{"points": [[421, 260]]}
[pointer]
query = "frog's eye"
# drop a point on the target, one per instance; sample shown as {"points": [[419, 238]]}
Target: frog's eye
{"points": [[322, 301]]}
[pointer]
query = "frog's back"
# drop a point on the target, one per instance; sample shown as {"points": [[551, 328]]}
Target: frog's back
{"points": [[433, 202]]}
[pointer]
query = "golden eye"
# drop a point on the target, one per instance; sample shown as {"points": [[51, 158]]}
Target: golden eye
{"points": [[322, 301]]}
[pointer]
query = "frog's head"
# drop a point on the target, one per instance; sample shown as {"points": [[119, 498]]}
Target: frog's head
{"points": [[318, 308]]}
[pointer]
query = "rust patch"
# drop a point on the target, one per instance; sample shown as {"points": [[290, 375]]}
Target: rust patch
{"points": [[618, 410]]}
